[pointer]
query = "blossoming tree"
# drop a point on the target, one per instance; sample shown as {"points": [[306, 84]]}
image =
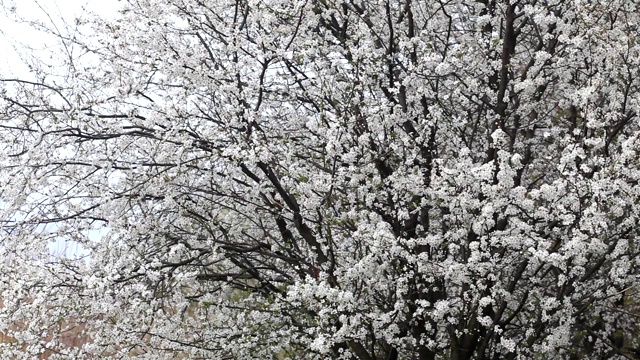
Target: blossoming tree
{"points": [[317, 179]]}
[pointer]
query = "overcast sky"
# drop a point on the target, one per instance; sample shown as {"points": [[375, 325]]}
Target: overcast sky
{"points": [[19, 38], [14, 36]]}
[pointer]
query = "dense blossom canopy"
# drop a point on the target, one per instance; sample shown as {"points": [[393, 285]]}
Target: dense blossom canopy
{"points": [[313, 179]]}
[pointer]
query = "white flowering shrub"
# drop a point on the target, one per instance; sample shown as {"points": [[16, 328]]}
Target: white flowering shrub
{"points": [[322, 179]]}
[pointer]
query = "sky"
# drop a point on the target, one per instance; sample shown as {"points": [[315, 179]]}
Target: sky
{"points": [[18, 38], [15, 35]]}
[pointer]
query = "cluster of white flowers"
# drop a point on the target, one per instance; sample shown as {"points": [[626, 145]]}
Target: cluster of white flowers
{"points": [[327, 179]]}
